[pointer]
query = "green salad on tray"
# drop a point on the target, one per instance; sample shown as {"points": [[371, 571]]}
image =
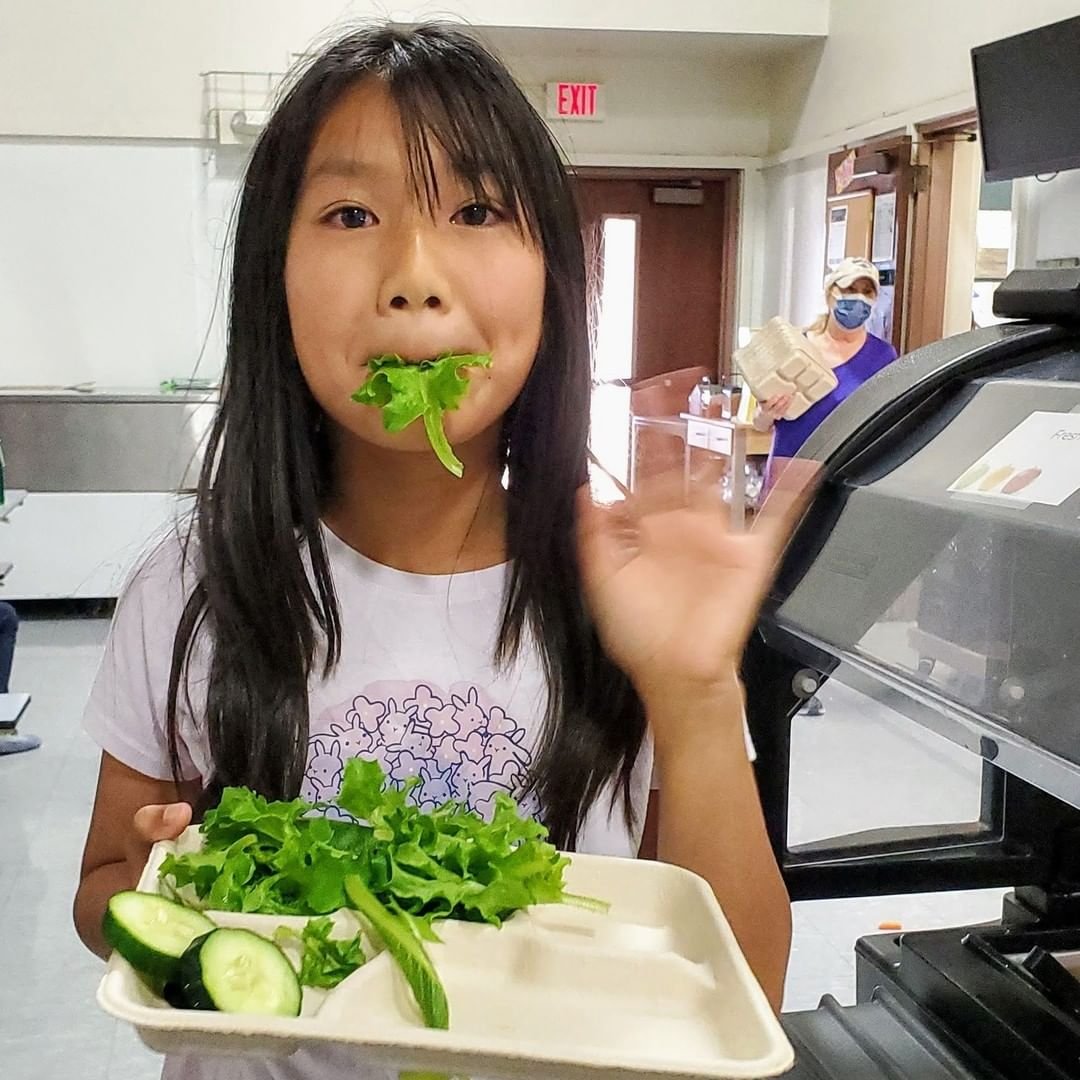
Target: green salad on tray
{"points": [[397, 869]]}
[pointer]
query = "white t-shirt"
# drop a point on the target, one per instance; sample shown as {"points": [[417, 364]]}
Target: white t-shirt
{"points": [[415, 689]]}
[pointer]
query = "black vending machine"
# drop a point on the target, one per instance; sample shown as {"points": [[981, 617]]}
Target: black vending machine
{"points": [[938, 569]]}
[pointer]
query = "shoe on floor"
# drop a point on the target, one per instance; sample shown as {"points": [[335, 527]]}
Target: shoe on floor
{"points": [[14, 743]]}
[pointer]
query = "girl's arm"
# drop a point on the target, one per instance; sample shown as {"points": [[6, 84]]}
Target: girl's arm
{"points": [[131, 812], [710, 821], [675, 594]]}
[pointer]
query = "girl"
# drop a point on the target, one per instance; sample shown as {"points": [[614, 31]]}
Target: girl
{"points": [[341, 593]]}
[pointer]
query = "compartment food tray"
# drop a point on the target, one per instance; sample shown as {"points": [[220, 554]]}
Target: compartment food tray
{"points": [[656, 987]]}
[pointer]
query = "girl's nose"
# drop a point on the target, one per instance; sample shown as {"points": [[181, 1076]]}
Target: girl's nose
{"points": [[414, 279]]}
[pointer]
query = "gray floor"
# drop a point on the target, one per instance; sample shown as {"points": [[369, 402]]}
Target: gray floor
{"points": [[857, 767]]}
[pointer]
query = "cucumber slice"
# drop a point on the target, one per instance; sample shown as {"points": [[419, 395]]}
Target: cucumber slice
{"points": [[237, 971], [152, 933]]}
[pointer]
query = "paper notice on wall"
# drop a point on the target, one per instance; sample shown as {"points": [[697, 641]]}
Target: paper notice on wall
{"points": [[837, 242], [844, 173], [1037, 462], [881, 318], [883, 248]]}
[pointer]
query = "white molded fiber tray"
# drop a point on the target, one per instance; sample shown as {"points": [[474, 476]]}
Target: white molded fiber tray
{"points": [[779, 359], [657, 987]]}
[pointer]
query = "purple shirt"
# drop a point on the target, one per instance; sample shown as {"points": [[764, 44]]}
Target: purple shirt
{"points": [[869, 360]]}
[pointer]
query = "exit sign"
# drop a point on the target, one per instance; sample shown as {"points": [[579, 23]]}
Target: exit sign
{"points": [[575, 101]]}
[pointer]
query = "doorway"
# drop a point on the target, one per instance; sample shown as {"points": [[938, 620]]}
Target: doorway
{"points": [[663, 247], [962, 240]]}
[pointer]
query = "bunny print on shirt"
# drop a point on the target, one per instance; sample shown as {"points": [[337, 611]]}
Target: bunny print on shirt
{"points": [[459, 743]]}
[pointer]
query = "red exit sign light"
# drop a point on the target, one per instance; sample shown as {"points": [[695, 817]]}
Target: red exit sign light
{"points": [[575, 101]]}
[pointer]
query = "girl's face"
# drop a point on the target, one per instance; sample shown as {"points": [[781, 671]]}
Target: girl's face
{"points": [[370, 271]]}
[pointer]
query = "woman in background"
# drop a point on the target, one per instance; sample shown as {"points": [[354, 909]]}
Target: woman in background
{"points": [[854, 354]]}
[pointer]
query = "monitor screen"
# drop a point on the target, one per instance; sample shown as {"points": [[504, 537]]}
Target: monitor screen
{"points": [[1028, 93]]}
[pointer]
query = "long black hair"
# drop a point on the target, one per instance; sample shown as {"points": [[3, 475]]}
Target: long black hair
{"points": [[270, 620]]}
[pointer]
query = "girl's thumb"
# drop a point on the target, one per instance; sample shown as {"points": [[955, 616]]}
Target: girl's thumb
{"points": [[176, 816], [162, 822]]}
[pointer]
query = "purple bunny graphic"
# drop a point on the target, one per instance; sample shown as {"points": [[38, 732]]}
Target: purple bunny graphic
{"points": [[459, 743], [393, 726], [507, 760], [434, 790], [356, 741], [324, 768], [468, 713]]}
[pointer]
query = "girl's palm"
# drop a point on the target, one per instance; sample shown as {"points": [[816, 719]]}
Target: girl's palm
{"points": [[673, 590]]}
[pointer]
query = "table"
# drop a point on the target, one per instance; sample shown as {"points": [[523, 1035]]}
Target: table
{"points": [[722, 435]]}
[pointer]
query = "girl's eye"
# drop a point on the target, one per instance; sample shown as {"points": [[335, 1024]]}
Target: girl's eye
{"points": [[477, 215], [353, 217]]}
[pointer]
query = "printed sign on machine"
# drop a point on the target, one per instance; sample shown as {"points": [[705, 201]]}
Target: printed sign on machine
{"points": [[1037, 462]]}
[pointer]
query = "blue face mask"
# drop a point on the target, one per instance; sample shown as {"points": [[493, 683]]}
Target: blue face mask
{"points": [[851, 312]]}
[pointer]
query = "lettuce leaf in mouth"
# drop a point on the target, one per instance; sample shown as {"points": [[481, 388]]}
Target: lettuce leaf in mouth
{"points": [[407, 392]]}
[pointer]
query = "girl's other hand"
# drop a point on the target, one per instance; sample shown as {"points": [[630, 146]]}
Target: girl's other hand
{"points": [[673, 589], [151, 824]]}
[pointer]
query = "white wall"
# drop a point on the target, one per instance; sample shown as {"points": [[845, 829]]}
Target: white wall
{"points": [[1048, 218], [127, 68], [107, 265], [885, 62], [794, 241], [656, 107]]}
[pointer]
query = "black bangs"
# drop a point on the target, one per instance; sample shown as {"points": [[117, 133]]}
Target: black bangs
{"points": [[482, 129], [454, 97]]}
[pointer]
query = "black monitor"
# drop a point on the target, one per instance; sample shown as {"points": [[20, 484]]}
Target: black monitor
{"points": [[1027, 89]]}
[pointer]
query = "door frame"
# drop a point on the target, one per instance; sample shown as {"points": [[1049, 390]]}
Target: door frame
{"points": [[931, 219], [733, 194]]}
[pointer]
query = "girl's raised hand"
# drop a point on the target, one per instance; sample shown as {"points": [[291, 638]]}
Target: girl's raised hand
{"points": [[673, 590]]}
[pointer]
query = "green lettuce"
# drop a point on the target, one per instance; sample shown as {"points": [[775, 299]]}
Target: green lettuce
{"points": [[325, 960], [399, 867], [407, 392]]}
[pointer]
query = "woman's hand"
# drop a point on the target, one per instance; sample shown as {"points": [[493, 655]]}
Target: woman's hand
{"points": [[673, 590], [775, 407]]}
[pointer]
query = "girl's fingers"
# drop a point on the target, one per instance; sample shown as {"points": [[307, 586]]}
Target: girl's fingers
{"points": [[603, 534]]}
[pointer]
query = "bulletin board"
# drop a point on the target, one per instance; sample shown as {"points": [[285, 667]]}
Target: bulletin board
{"points": [[857, 228]]}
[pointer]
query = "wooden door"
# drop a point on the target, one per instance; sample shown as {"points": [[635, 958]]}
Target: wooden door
{"points": [[686, 264]]}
